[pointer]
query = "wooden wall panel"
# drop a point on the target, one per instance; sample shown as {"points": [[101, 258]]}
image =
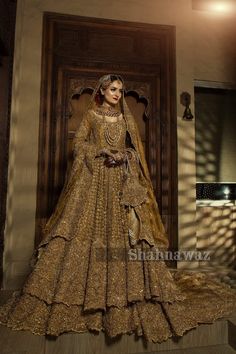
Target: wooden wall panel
{"points": [[7, 34]]}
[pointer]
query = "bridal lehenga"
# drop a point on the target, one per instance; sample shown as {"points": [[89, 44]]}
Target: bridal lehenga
{"points": [[83, 278]]}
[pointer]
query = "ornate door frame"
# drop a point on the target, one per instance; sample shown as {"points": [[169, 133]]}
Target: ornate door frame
{"points": [[76, 51]]}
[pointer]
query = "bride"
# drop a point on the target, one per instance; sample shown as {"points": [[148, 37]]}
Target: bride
{"points": [[83, 278]]}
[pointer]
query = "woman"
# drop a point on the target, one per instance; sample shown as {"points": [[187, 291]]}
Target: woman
{"points": [[85, 277]]}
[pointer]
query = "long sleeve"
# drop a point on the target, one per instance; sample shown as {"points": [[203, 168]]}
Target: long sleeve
{"points": [[81, 142], [84, 146], [81, 137]]}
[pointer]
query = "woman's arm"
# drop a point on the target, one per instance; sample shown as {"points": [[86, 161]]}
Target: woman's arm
{"points": [[81, 137]]}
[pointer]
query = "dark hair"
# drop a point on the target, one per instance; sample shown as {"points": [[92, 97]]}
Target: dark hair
{"points": [[114, 77]]}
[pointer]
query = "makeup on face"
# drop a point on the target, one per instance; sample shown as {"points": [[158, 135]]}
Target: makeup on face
{"points": [[112, 94]]}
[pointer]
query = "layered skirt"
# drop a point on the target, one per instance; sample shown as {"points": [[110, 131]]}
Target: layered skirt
{"points": [[86, 279]]}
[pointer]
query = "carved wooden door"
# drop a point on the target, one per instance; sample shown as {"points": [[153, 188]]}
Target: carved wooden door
{"points": [[76, 52]]}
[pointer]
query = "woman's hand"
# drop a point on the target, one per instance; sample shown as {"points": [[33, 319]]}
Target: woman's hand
{"points": [[113, 157], [110, 162], [116, 160], [120, 158]]}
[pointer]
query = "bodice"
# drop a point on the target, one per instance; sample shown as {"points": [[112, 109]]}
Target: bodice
{"points": [[106, 134]]}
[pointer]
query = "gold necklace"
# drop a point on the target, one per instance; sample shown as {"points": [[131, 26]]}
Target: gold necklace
{"points": [[112, 131], [108, 111]]}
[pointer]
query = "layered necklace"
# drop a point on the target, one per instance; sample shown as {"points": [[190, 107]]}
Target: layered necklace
{"points": [[113, 130]]}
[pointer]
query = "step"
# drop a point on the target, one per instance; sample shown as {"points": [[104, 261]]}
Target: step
{"points": [[213, 349], [218, 337], [203, 336]]}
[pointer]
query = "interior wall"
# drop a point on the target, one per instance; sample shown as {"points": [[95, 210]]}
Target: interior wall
{"points": [[214, 46], [215, 126], [19, 233], [228, 168], [214, 60]]}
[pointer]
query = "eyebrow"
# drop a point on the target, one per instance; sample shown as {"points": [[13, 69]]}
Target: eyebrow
{"points": [[116, 87]]}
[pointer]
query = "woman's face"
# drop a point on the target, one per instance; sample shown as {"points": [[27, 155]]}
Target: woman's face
{"points": [[112, 94]]}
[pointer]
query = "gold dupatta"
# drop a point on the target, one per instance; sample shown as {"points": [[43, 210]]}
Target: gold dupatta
{"points": [[159, 235]]}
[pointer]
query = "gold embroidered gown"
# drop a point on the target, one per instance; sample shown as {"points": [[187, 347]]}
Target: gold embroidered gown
{"points": [[83, 279]]}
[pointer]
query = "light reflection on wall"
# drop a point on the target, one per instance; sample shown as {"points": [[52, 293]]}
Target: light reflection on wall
{"points": [[208, 132], [215, 6], [221, 6], [216, 233], [215, 135]]}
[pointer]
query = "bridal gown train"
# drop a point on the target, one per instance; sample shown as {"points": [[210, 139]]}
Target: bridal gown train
{"points": [[83, 279]]}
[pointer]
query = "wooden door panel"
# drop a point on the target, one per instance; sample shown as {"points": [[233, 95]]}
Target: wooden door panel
{"points": [[76, 52]]}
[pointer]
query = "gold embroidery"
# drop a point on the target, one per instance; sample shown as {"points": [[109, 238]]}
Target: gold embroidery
{"points": [[83, 278]]}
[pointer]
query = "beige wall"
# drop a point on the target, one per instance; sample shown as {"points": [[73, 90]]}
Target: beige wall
{"points": [[191, 63], [214, 46], [216, 234]]}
